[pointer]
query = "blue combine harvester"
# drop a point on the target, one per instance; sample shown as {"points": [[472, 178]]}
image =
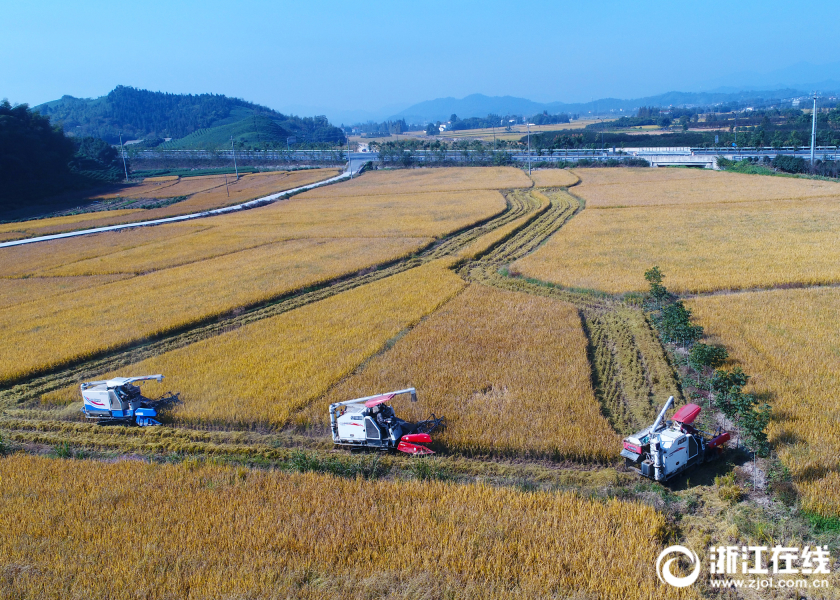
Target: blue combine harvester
{"points": [[118, 401]]}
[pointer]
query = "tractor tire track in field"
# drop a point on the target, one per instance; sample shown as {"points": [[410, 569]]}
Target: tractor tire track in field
{"points": [[32, 387]]}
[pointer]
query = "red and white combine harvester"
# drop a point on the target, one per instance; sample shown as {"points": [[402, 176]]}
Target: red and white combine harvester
{"points": [[668, 448], [370, 423]]}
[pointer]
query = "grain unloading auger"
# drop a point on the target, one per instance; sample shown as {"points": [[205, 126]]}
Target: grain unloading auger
{"points": [[668, 448], [117, 400], [370, 423]]}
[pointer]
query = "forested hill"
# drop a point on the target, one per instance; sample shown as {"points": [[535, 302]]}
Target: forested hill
{"points": [[141, 114], [37, 161]]}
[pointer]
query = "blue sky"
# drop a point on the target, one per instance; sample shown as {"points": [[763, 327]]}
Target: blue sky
{"points": [[318, 56]]}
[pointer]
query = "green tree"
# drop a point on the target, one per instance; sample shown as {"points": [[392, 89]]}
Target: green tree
{"points": [[726, 384], [675, 324], [704, 356], [754, 423], [654, 277]]}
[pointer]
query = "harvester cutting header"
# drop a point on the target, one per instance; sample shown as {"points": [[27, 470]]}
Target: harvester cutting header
{"points": [[668, 448]]}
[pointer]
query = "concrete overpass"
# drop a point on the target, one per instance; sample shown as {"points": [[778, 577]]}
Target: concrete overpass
{"points": [[702, 161]]}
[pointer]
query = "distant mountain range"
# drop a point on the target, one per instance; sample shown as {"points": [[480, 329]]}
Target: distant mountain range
{"points": [[479, 105], [804, 76], [203, 121]]}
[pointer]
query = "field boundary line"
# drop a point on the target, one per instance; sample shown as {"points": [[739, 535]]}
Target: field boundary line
{"points": [[781, 287]]}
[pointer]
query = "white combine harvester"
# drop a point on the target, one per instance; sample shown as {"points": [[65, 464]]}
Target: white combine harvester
{"points": [[668, 448], [370, 423], [117, 400]]}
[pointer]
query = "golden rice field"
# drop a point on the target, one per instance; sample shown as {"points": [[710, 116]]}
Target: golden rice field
{"points": [[417, 181], [161, 179], [169, 187], [205, 194], [263, 372], [153, 248], [18, 291], [187, 186], [509, 371], [21, 229], [29, 259], [41, 334], [195, 531], [553, 178], [698, 247], [787, 341], [609, 188], [395, 214], [194, 271]]}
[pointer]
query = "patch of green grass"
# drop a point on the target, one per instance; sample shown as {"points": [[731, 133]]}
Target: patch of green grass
{"points": [[427, 469], [823, 524], [191, 172], [62, 450], [367, 467]]}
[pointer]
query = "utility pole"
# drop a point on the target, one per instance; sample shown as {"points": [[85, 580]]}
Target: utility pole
{"points": [[813, 130], [529, 149], [235, 168], [122, 152], [736, 131], [602, 135], [349, 162]]}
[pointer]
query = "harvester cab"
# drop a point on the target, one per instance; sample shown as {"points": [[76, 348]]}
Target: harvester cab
{"points": [[370, 422], [118, 400], [668, 448]]}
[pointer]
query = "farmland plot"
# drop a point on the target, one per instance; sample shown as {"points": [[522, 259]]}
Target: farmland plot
{"points": [[699, 247], [553, 178], [262, 372], [786, 339], [144, 250], [429, 180], [612, 188], [509, 372], [42, 334], [205, 269], [22, 229], [204, 193], [222, 533]]}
